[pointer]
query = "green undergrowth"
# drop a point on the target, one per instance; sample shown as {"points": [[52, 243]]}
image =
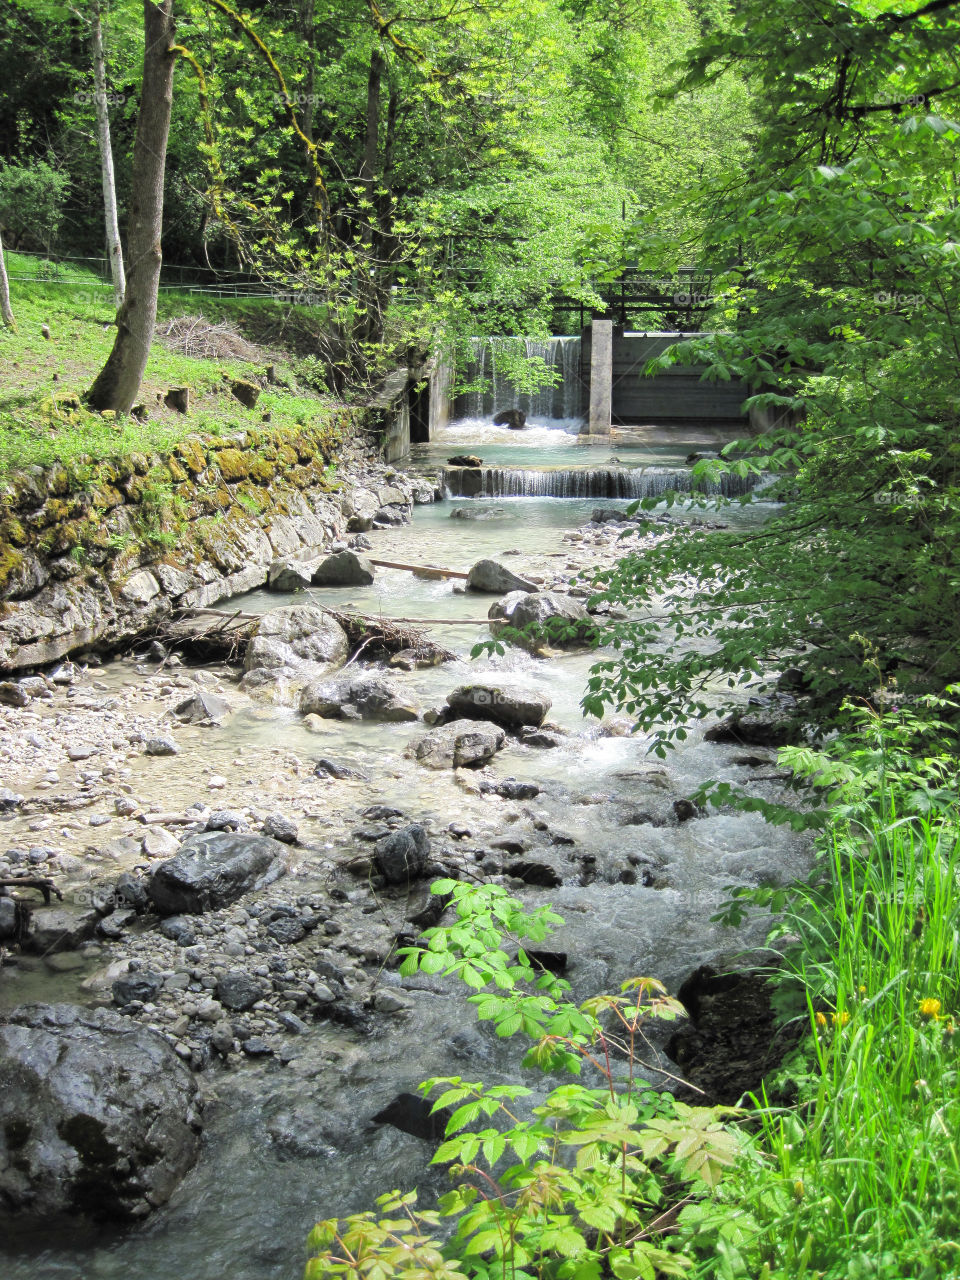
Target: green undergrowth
{"points": [[857, 1177], [43, 379]]}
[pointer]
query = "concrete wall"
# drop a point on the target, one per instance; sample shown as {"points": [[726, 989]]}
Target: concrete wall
{"points": [[675, 395]]}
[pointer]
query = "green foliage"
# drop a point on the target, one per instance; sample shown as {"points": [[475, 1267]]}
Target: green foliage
{"points": [[862, 1176], [31, 202], [578, 1187]]}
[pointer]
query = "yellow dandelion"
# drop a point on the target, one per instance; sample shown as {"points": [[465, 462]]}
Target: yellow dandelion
{"points": [[798, 1188], [840, 1019], [821, 1020], [930, 1008], [863, 991]]}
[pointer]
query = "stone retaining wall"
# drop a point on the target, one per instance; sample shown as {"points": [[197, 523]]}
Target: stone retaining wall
{"points": [[93, 552]]}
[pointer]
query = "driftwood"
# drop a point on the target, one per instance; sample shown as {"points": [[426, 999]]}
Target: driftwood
{"points": [[420, 570], [210, 635], [379, 638], [41, 883]]}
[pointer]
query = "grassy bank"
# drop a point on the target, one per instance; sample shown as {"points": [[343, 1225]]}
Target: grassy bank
{"points": [[41, 378]]}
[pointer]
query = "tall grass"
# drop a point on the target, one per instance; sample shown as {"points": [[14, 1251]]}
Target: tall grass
{"points": [[861, 1177]]}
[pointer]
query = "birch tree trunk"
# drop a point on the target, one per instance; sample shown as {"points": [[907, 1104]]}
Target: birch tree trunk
{"points": [[114, 247], [119, 380], [6, 311]]}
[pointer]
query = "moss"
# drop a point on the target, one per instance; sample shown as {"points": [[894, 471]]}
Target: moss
{"points": [[10, 562], [233, 464], [261, 470], [58, 481], [13, 532]]}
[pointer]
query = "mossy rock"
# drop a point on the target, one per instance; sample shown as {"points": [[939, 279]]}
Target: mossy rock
{"points": [[177, 470], [261, 470], [233, 464], [10, 562], [13, 533], [192, 453], [106, 497], [287, 457], [141, 463]]}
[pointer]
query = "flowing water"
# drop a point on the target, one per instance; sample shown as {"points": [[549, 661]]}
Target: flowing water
{"points": [[285, 1146]]}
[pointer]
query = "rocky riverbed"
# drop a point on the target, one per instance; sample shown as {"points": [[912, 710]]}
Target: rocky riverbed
{"points": [[241, 846]]}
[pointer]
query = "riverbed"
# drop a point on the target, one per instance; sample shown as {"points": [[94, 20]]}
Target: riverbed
{"points": [[289, 1137]]}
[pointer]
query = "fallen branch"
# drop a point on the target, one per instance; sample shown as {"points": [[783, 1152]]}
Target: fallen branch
{"points": [[43, 884]]}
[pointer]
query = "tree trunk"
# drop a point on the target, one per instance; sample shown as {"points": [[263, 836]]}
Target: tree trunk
{"points": [[114, 248], [119, 380], [6, 311]]}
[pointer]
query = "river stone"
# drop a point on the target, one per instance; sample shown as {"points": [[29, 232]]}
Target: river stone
{"points": [[98, 1117], [403, 855], [12, 695], [289, 575], [202, 708], [287, 929], [213, 869], [344, 569], [537, 873], [178, 930], [299, 638], [143, 985], [462, 743], [9, 921], [490, 575], [239, 991], [542, 618], [513, 708], [757, 727], [62, 928], [360, 507], [279, 827], [366, 695]]}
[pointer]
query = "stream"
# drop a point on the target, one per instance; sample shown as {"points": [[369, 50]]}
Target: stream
{"points": [[289, 1143]]}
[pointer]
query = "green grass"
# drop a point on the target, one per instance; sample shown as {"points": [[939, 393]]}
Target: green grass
{"points": [[36, 374], [861, 1177]]}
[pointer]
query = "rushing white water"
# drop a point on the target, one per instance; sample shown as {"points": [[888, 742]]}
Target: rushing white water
{"points": [[558, 405], [587, 482]]}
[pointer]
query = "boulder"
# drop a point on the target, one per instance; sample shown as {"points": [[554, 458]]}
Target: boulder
{"points": [[462, 743], [213, 869], [99, 1118], [541, 874], [491, 576], [202, 708], [542, 618], [366, 696], [771, 726], [289, 575], [279, 827], [465, 460], [515, 419], [402, 855], [344, 569], [360, 507], [299, 640], [62, 928], [510, 707]]}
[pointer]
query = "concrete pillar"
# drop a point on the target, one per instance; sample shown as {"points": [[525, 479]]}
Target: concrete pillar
{"points": [[601, 377]]}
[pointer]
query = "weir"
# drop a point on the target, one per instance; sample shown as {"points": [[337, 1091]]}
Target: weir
{"points": [[586, 482]]}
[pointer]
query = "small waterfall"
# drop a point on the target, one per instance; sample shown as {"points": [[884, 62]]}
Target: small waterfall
{"points": [[560, 403], [587, 482]]}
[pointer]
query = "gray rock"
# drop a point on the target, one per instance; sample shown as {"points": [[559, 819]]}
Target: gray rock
{"points": [[459, 744], [511, 707], [289, 575], [201, 708], [256, 1047], [178, 930], [301, 640], [491, 576], [140, 587], [9, 800], [278, 827], [131, 890], [62, 928], [214, 869], [542, 619], [143, 985], [9, 926], [360, 507], [98, 1117], [367, 696], [345, 569], [158, 843], [161, 746], [771, 726], [531, 872], [402, 855], [225, 820], [238, 991], [12, 695], [286, 930]]}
